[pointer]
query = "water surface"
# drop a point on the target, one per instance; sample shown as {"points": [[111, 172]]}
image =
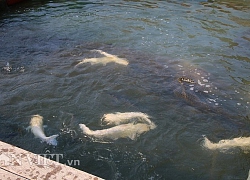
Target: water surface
{"points": [[162, 40]]}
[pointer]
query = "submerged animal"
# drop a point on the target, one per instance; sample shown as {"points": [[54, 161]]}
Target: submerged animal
{"points": [[108, 58], [241, 142], [129, 130], [127, 117], [193, 85], [36, 126], [198, 95], [127, 125]]}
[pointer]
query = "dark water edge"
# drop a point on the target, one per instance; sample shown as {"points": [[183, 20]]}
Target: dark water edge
{"points": [[55, 36]]}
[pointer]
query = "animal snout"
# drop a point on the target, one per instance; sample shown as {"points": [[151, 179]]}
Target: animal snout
{"points": [[104, 121], [103, 118]]}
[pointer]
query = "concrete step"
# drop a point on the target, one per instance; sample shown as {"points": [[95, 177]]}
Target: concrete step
{"points": [[17, 163]]}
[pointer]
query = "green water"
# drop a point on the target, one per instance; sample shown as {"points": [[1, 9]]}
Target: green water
{"points": [[162, 40]]}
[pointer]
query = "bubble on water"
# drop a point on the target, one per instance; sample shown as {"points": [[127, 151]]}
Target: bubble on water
{"points": [[236, 91], [199, 82], [216, 104], [192, 88], [205, 91], [141, 154], [238, 104], [213, 100]]}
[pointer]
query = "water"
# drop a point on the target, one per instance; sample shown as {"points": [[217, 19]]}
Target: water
{"points": [[162, 41]]}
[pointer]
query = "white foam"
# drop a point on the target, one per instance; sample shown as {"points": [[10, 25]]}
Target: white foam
{"points": [[213, 100], [199, 82]]}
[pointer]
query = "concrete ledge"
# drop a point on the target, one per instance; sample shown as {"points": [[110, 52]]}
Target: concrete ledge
{"points": [[16, 163]]}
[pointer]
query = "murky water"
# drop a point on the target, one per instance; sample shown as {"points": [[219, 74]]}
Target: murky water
{"points": [[162, 40]]}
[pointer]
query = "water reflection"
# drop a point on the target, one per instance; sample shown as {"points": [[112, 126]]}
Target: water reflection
{"points": [[235, 4]]}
